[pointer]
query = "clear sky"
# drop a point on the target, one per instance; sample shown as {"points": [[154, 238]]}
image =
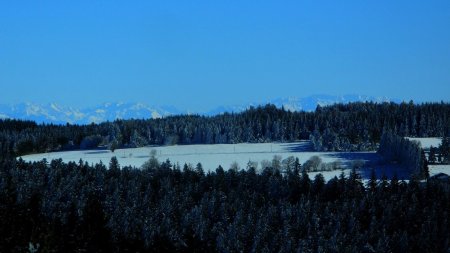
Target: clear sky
{"points": [[202, 54]]}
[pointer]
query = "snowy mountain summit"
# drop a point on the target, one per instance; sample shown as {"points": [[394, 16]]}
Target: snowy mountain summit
{"points": [[306, 103], [59, 114], [310, 103]]}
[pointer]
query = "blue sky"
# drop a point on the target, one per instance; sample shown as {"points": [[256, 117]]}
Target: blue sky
{"points": [[202, 54]]}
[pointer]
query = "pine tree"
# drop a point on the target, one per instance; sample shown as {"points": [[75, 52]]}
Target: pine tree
{"points": [[444, 149], [199, 169], [372, 184], [432, 155], [114, 164], [318, 183], [113, 145], [297, 166], [424, 172]]}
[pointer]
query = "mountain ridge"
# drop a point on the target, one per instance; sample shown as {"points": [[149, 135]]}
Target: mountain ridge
{"points": [[60, 114]]}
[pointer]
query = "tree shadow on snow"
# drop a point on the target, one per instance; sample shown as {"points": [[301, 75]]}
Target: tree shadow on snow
{"points": [[304, 146], [371, 161], [96, 152], [142, 156]]}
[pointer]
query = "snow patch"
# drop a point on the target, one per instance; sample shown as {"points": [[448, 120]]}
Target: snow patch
{"points": [[78, 115], [426, 143], [55, 107], [94, 119], [34, 110], [436, 169], [155, 115]]}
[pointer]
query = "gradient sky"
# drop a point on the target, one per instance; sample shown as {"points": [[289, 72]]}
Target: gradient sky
{"points": [[201, 54]]}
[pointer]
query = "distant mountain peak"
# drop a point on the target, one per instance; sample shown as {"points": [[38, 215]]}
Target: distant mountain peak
{"points": [[60, 114]]}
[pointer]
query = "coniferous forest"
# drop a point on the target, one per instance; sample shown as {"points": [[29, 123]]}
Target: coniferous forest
{"points": [[58, 207], [341, 127], [52, 206]]}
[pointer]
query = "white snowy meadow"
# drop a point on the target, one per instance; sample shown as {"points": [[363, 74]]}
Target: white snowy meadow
{"points": [[227, 155]]}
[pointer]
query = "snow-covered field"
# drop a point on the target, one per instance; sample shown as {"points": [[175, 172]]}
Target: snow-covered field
{"points": [[427, 142], [436, 169], [211, 156]]}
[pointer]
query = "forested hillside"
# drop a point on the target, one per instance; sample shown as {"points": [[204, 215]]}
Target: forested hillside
{"points": [[341, 127], [57, 207], [53, 206]]}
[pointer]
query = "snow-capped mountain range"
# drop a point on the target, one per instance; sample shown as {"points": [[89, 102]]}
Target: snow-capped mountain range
{"points": [[59, 114]]}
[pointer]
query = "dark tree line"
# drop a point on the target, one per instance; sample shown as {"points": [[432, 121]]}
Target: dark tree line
{"points": [[341, 127], [403, 152], [441, 154], [59, 207]]}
